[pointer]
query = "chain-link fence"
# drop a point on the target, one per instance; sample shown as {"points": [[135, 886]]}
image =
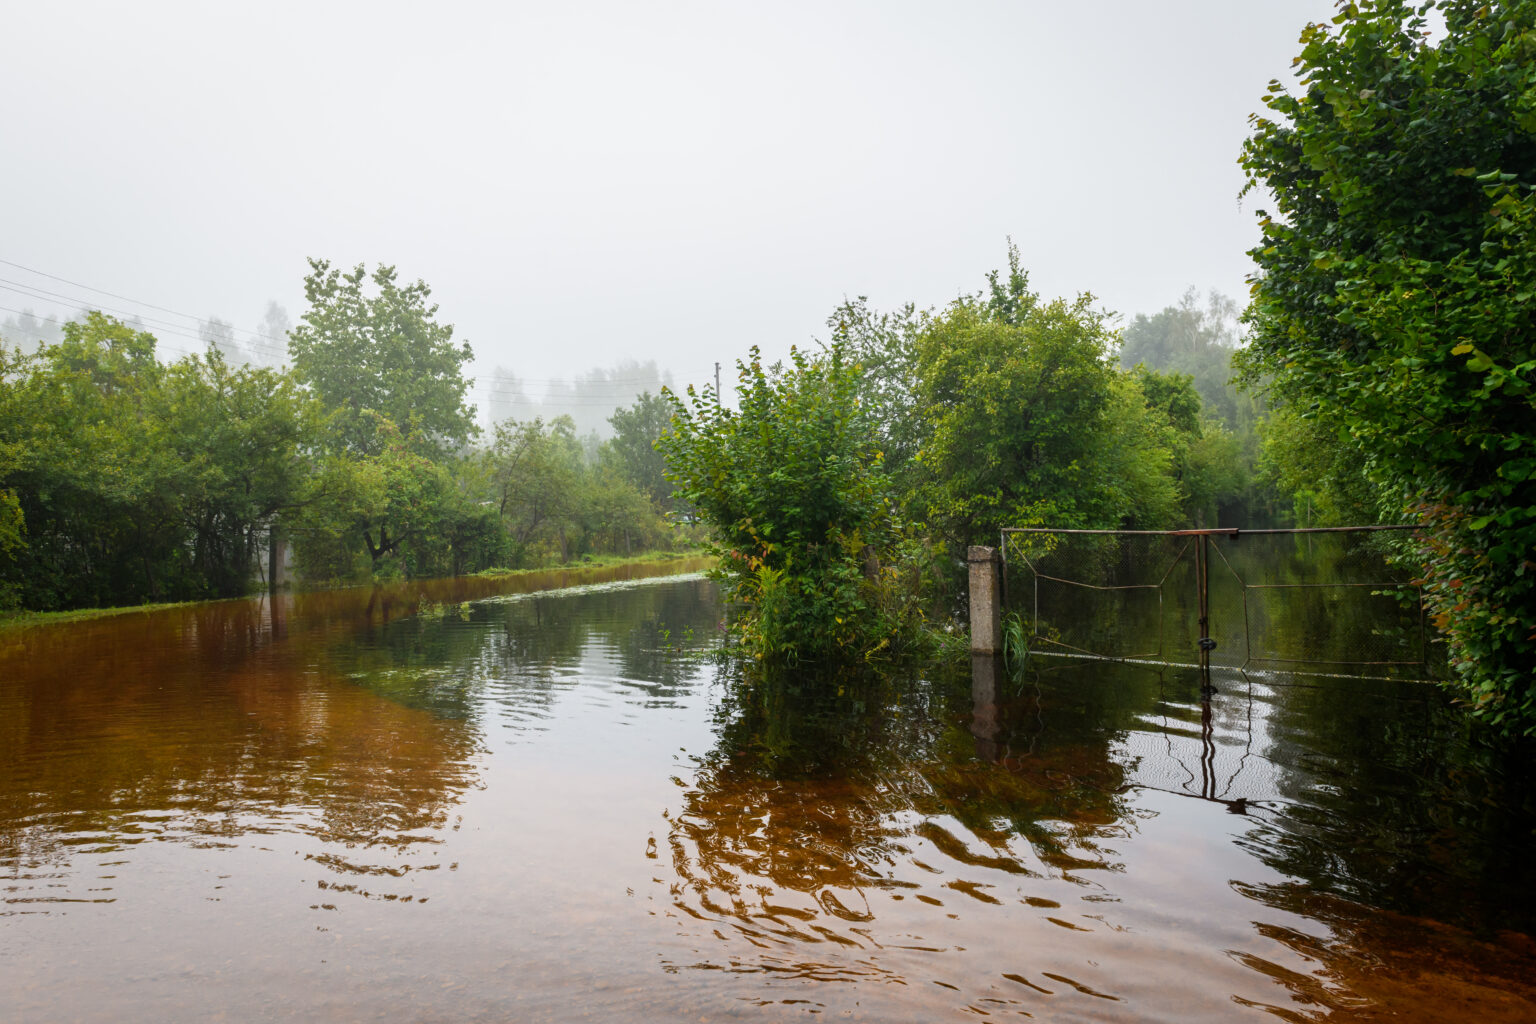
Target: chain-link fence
{"points": [[1334, 598]]}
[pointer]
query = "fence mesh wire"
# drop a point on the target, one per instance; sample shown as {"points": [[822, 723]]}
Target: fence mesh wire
{"points": [[1281, 599]]}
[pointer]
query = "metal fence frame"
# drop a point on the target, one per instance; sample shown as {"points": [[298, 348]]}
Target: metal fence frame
{"points": [[1199, 540]]}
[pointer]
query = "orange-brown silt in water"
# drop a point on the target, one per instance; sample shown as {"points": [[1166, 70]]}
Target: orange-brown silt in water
{"points": [[453, 801]]}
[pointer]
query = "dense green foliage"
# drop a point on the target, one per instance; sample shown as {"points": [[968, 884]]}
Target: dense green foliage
{"points": [[398, 490], [884, 345], [1003, 409], [406, 512], [809, 540], [633, 448], [1026, 420], [124, 479], [1324, 475], [999, 410], [557, 503], [1396, 296], [385, 355], [1218, 456]]}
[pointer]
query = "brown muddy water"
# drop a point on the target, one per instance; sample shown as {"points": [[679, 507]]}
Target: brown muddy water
{"points": [[447, 804]]}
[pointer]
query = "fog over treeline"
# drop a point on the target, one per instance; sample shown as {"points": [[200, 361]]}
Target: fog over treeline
{"points": [[264, 344], [588, 398], [1196, 336]]}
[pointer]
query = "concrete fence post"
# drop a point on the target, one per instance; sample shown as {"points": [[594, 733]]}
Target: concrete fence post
{"points": [[986, 717], [986, 600]]}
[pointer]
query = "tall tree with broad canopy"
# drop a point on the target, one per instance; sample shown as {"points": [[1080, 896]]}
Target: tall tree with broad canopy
{"points": [[381, 353], [1027, 420], [1396, 296], [884, 345]]}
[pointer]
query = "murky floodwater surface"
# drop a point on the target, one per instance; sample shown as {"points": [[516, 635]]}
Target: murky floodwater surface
{"points": [[444, 803]]}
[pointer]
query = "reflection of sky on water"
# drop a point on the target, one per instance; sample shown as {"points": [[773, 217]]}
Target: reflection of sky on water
{"points": [[558, 806]]}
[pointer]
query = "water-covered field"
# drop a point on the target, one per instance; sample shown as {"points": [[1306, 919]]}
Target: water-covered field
{"points": [[449, 804]]}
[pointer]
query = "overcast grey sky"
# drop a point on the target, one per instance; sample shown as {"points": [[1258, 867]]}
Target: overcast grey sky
{"points": [[582, 183]]}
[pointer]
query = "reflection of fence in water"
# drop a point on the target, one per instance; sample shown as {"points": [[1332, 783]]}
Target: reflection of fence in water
{"points": [[1213, 743], [1262, 598]]}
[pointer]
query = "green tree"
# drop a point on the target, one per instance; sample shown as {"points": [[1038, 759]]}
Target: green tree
{"points": [[137, 481], [1207, 459], [1324, 475], [234, 435], [885, 346], [791, 482], [96, 493], [1193, 339], [1396, 292], [616, 516], [384, 507], [472, 535], [536, 479], [635, 432], [1218, 462], [1027, 421], [384, 353], [13, 456]]}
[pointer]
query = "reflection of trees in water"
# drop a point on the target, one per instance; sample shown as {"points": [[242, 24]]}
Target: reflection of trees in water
{"points": [[1323, 598], [1395, 799], [1397, 822], [1385, 966], [830, 804], [1116, 596], [1373, 790], [190, 726], [520, 654], [193, 725], [663, 652]]}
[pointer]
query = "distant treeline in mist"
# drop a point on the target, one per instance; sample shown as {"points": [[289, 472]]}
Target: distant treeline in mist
{"points": [[588, 400]]}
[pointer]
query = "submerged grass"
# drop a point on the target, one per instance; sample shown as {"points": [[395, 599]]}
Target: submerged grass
{"points": [[24, 619], [594, 562], [21, 619]]}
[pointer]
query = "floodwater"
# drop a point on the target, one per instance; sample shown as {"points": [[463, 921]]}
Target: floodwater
{"points": [[445, 804]]}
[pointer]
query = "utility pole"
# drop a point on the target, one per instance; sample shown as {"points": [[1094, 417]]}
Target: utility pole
{"points": [[717, 382]]}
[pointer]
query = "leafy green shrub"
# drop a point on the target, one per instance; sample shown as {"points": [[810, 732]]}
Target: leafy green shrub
{"points": [[1397, 293], [812, 553]]}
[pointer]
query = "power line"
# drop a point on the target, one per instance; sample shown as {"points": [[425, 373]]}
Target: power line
{"points": [[569, 402], [582, 390], [519, 379], [61, 323], [159, 333], [574, 390], [582, 397], [137, 302], [161, 326]]}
